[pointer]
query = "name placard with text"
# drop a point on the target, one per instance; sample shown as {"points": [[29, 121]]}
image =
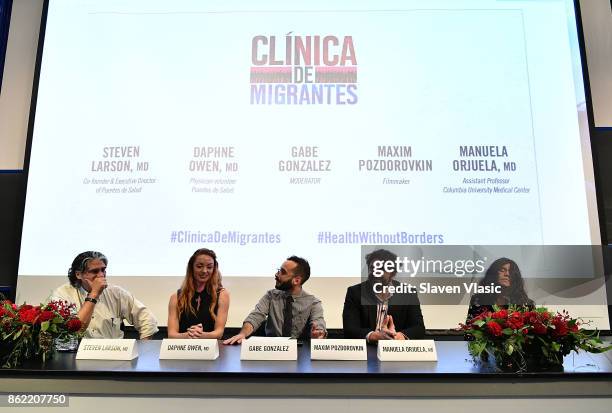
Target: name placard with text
{"points": [[408, 350], [188, 349], [268, 348], [107, 349], [338, 349]]}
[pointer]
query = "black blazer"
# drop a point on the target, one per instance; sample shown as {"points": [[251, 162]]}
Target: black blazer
{"points": [[359, 313]]}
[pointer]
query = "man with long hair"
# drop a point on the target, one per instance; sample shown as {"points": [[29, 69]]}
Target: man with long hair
{"points": [[102, 307]]}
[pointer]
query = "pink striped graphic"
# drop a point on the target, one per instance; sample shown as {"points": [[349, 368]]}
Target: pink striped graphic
{"points": [[334, 69], [271, 69]]}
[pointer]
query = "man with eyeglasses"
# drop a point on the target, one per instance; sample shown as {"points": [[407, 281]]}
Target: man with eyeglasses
{"points": [[288, 310], [102, 307]]}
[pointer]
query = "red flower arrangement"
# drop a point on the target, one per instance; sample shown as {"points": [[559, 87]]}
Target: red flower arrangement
{"points": [[28, 331], [517, 334]]}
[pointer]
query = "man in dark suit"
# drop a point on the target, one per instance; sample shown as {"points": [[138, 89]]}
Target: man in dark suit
{"points": [[381, 315]]}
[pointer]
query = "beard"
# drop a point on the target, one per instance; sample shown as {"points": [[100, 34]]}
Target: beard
{"points": [[283, 286]]}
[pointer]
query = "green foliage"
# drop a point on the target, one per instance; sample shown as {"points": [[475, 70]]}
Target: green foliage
{"points": [[30, 331], [515, 334]]}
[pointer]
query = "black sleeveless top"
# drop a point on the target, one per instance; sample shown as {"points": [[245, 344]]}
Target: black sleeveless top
{"points": [[202, 316]]}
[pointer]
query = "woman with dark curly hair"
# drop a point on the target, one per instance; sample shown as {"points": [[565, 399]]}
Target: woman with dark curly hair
{"points": [[199, 308], [505, 275]]}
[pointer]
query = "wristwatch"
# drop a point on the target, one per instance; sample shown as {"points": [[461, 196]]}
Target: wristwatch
{"points": [[91, 300]]}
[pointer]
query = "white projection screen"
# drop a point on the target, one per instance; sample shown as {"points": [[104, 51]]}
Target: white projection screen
{"points": [[271, 128]]}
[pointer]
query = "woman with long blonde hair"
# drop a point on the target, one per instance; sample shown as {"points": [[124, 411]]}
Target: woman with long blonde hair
{"points": [[199, 308]]}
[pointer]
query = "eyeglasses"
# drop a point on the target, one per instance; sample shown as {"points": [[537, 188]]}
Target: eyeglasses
{"points": [[281, 271], [96, 271]]}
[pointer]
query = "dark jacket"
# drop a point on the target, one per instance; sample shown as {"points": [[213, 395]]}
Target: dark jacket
{"points": [[359, 313]]}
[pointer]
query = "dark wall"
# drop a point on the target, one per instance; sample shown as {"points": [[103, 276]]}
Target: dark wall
{"points": [[602, 150], [5, 18], [12, 191]]}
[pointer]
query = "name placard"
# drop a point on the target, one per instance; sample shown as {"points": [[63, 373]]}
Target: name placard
{"points": [[107, 349], [338, 349], [187, 349], [409, 350], [268, 348]]}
